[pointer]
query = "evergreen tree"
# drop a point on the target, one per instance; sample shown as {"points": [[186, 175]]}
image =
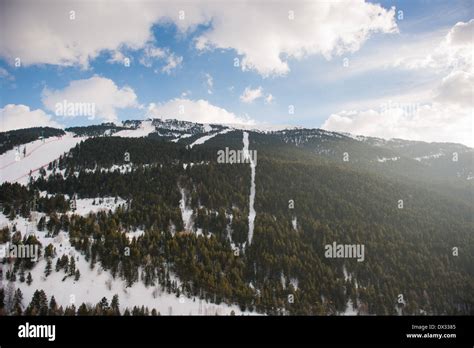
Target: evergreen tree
{"points": [[29, 279], [48, 268], [53, 306], [114, 305], [72, 267], [18, 303]]}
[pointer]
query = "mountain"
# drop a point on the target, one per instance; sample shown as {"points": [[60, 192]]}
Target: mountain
{"points": [[189, 218]]}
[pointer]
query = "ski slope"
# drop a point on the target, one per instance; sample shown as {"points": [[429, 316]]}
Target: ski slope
{"points": [[15, 167], [146, 127], [252, 212], [205, 138]]}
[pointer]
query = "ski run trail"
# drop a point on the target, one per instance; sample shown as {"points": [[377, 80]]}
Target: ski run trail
{"points": [[16, 167], [252, 213], [205, 138]]}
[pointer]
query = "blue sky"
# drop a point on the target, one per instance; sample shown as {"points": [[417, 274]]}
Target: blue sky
{"points": [[317, 86]]}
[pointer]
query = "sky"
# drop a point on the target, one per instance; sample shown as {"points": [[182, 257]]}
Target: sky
{"points": [[390, 69]]}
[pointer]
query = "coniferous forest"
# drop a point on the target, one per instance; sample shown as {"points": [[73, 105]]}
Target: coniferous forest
{"points": [[418, 257]]}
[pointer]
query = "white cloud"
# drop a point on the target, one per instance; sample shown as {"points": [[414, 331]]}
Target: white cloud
{"points": [[105, 96], [43, 33], [456, 89], [461, 34], [4, 74], [441, 112], [453, 52], [269, 98], [172, 62], [196, 111], [326, 28], [209, 83], [152, 53], [20, 116], [249, 94], [430, 122]]}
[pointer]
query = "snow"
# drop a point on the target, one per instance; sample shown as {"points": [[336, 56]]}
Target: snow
{"points": [[294, 223], [436, 155], [252, 212], [347, 276], [97, 283], [134, 234], [181, 137], [84, 206], [205, 138], [186, 213], [146, 127], [294, 283], [39, 154], [385, 159], [350, 309]]}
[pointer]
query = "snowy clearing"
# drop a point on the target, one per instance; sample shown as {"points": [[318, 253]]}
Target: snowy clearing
{"points": [[15, 167], [146, 127], [205, 138], [94, 284]]}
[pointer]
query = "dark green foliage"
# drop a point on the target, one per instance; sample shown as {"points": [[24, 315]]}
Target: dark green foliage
{"points": [[10, 139]]}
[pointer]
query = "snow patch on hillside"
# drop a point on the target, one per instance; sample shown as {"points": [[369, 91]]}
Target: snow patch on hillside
{"points": [[294, 223], [436, 155], [386, 159], [205, 138], [146, 127], [94, 284], [252, 212], [85, 206], [186, 212], [15, 167]]}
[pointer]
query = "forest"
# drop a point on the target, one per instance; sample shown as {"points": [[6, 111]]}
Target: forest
{"points": [[303, 202]]}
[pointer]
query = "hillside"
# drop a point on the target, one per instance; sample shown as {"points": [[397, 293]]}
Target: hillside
{"points": [[149, 205]]}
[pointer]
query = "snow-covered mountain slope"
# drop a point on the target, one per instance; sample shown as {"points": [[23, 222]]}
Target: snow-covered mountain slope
{"points": [[205, 138], [144, 129], [17, 164], [96, 283]]}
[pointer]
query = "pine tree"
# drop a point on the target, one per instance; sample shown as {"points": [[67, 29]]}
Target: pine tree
{"points": [[70, 311], [53, 306], [29, 279], [83, 310], [104, 304], [2, 299], [47, 270], [38, 304], [77, 275], [41, 224], [9, 296], [18, 303], [114, 305], [72, 266]]}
